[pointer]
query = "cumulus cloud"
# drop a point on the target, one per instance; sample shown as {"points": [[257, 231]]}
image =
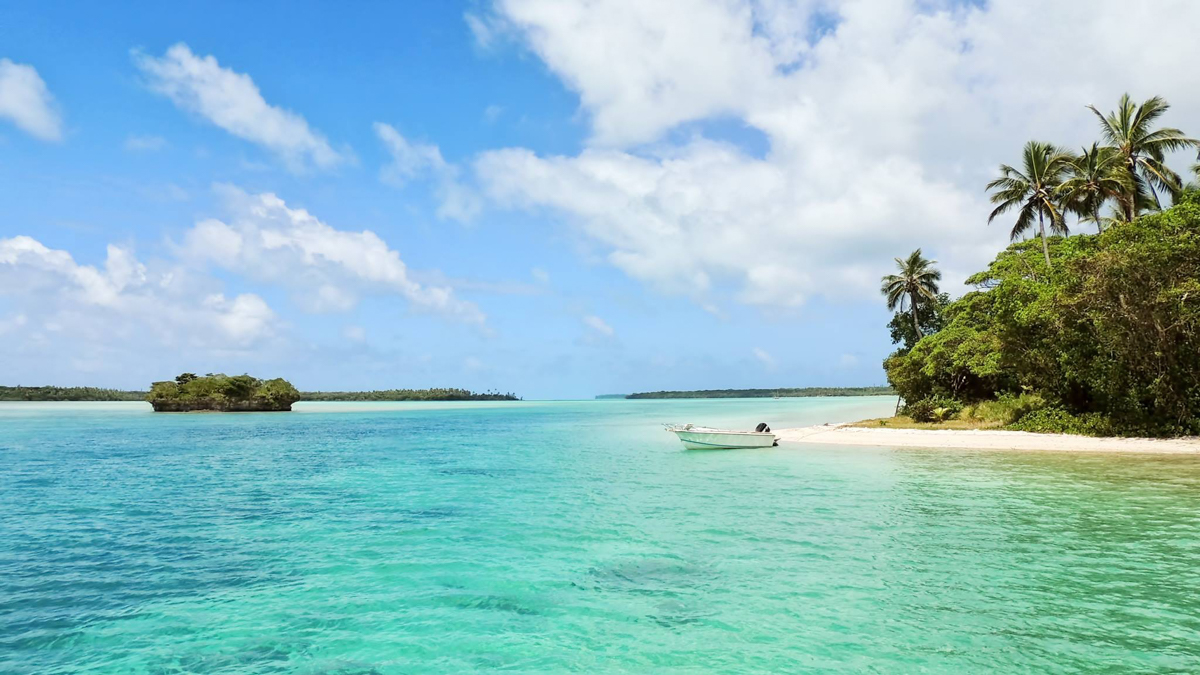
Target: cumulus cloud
{"points": [[232, 101], [124, 301], [883, 120], [413, 161], [26, 101], [328, 268]]}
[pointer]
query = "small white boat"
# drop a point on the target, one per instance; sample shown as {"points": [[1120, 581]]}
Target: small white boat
{"points": [[706, 438]]}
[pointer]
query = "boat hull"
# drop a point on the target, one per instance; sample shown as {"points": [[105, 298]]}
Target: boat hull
{"points": [[719, 440]]}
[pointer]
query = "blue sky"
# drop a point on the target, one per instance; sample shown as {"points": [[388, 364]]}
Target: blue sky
{"points": [[565, 199]]}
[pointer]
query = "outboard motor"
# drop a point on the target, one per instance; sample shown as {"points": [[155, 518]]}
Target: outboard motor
{"points": [[762, 428]]}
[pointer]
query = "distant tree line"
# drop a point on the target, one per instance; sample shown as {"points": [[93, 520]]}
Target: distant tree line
{"points": [[189, 386], [19, 393], [768, 393]]}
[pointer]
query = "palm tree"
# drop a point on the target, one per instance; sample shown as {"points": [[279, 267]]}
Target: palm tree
{"points": [[1034, 191], [917, 281], [1129, 131], [1095, 177]]}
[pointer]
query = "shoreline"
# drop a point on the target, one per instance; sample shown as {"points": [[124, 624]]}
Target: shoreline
{"points": [[841, 434]]}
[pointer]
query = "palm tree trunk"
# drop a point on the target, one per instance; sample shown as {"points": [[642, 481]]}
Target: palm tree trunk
{"points": [[1045, 246], [912, 306], [1099, 224]]}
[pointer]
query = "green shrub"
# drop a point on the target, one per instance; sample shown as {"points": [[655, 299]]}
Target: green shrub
{"points": [[932, 409], [1059, 421], [920, 411], [1005, 410]]}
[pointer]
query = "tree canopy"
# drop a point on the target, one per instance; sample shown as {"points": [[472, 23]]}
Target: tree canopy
{"points": [[222, 392], [1111, 329]]}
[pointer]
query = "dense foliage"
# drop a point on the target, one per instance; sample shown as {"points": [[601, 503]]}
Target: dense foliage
{"points": [[220, 391], [68, 394], [769, 393], [930, 317], [1108, 335], [407, 395]]}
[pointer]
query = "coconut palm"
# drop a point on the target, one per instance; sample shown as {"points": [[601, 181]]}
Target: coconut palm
{"points": [[1130, 131], [917, 282], [1094, 177], [1033, 191]]}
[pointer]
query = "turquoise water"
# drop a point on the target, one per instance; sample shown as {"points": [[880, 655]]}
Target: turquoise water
{"points": [[554, 537]]}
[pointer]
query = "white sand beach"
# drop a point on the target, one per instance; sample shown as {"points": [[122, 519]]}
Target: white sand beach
{"points": [[840, 434]]}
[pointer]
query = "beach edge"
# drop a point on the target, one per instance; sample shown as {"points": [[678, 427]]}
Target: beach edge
{"points": [[842, 434]]}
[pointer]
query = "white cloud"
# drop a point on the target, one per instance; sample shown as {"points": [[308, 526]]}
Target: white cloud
{"points": [[26, 101], [485, 30], [883, 120], [412, 161], [328, 268], [123, 301], [12, 323], [354, 333], [232, 101], [642, 66], [764, 358], [540, 275], [136, 143], [599, 325], [409, 160]]}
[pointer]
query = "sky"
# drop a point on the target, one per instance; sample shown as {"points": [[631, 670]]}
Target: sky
{"points": [[558, 198]]}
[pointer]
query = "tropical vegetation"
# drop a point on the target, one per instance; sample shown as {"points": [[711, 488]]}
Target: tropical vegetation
{"points": [[917, 282], [1093, 333], [1033, 191], [1129, 132], [221, 392]]}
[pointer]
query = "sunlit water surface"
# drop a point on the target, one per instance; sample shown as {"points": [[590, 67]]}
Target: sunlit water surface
{"points": [[575, 536]]}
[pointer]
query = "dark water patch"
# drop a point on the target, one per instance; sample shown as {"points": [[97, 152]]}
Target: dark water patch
{"points": [[673, 613], [492, 603], [467, 471], [432, 514], [649, 576], [338, 668]]}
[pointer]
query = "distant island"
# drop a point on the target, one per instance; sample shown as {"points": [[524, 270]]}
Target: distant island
{"points": [[227, 393], [768, 393], [19, 393], [222, 393]]}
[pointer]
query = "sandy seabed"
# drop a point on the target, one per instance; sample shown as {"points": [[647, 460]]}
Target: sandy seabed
{"points": [[837, 434]]}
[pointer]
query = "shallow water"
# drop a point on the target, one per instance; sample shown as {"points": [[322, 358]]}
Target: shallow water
{"points": [[575, 536]]}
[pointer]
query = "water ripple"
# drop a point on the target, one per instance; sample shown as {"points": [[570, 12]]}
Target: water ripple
{"points": [[575, 537]]}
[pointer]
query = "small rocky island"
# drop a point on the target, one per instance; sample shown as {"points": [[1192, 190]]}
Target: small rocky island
{"points": [[222, 393]]}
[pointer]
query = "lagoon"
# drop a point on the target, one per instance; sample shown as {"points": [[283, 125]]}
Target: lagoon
{"points": [[575, 536]]}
